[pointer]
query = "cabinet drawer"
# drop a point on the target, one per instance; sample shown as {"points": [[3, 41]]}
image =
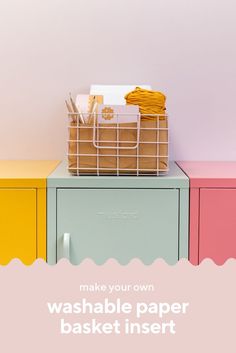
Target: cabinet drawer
{"points": [[217, 232], [118, 223], [18, 225]]}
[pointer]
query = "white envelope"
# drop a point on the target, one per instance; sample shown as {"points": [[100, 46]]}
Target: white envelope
{"points": [[114, 94]]}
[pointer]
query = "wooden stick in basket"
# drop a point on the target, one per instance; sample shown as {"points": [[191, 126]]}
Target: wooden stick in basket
{"points": [[92, 110], [70, 111], [75, 110]]}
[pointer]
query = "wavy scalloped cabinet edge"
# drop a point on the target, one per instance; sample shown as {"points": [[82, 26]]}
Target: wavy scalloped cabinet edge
{"points": [[16, 262]]}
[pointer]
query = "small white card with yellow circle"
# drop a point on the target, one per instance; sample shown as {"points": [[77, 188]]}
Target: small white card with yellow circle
{"points": [[117, 114]]}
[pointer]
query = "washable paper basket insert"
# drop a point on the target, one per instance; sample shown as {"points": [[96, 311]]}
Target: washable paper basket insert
{"points": [[137, 148]]}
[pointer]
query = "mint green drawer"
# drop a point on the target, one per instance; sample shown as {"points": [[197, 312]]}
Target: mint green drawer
{"points": [[117, 217], [118, 223]]}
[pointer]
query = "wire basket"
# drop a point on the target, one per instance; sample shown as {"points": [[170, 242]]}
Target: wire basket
{"points": [[137, 148]]}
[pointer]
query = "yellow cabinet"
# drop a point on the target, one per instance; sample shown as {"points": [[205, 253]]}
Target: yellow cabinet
{"points": [[23, 209]]}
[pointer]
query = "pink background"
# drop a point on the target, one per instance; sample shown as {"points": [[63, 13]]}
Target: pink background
{"points": [[183, 48], [208, 326]]}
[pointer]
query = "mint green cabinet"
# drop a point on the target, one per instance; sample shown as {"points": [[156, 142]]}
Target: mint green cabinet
{"points": [[117, 217]]}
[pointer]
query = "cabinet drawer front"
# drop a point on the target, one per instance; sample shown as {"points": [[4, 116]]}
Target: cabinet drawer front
{"points": [[17, 225], [217, 224], [118, 223]]}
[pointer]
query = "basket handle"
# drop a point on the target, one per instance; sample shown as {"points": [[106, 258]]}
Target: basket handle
{"points": [[117, 147]]}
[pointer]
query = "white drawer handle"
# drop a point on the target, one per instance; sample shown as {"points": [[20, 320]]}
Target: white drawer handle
{"points": [[66, 246]]}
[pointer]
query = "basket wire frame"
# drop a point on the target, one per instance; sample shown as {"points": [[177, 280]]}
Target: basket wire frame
{"points": [[105, 145]]}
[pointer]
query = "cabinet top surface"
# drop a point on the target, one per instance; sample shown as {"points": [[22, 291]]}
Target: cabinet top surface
{"points": [[210, 174], [62, 178], [13, 171]]}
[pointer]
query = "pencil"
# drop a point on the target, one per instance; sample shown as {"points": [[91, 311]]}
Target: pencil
{"points": [[75, 109]]}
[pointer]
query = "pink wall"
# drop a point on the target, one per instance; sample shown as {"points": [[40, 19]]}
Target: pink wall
{"points": [[183, 48]]}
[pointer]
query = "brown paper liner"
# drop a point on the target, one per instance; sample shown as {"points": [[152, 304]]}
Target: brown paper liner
{"points": [[96, 159]]}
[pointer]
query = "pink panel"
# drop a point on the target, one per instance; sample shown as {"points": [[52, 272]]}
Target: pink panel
{"points": [[217, 224], [210, 174], [194, 214]]}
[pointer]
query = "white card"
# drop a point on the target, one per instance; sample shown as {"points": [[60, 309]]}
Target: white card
{"points": [[114, 95], [82, 102], [117, 114]]}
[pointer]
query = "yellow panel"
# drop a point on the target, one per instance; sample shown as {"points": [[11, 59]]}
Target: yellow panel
{"points": [[18, 237], [25, 173]]}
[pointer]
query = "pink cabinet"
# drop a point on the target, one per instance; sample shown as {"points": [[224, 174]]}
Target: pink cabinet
{"points": [[212, 210]]}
